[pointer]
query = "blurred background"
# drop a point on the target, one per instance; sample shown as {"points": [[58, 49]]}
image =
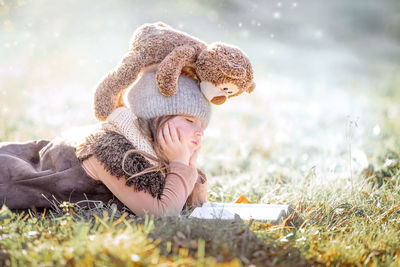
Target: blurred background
{"points": [[327, 75]]}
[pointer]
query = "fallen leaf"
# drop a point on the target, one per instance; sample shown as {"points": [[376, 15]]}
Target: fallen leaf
{"points": [[242, 199]]}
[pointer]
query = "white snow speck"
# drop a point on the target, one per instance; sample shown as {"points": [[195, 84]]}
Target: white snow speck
{"points": [[276, 15], [376, 130], [135, 257]]}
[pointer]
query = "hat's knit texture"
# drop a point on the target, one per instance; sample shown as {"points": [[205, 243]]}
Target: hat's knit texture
{"points": [[146, 101]]}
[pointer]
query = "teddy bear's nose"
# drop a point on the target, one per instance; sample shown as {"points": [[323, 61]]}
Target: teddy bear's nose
{"points": [[218, 100]]}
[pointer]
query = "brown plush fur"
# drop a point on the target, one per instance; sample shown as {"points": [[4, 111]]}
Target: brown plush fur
{"points": [[223, 64], [109, 148], [173, 50]]}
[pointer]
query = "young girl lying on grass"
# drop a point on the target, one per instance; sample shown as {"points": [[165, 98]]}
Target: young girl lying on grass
{"points": [[144, 155]]}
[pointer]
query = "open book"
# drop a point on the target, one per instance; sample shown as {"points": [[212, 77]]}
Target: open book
{"points": [[227, 211]]}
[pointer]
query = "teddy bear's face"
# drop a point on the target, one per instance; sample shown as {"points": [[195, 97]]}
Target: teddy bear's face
{"points": [[229, 89], [218, 94]]}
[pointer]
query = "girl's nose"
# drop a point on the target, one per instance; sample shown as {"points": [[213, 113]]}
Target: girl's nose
{"points": [[199, 131]]}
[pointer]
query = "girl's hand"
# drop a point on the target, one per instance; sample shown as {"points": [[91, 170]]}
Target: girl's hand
{"points": [[193, 158], [172, 145], [198, 196]]}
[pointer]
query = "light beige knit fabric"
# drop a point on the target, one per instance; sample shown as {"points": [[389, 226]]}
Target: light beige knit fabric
{"points": [[123, 121]]}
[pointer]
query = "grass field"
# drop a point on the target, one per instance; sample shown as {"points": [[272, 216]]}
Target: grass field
{"points": [[341, 175]]}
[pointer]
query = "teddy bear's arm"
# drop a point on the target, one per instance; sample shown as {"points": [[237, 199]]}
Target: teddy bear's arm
{"points": [[108, 92], [171, 66]]}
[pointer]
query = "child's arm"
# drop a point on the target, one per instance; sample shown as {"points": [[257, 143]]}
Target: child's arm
{"points": [[179, 185], [199, 193]]}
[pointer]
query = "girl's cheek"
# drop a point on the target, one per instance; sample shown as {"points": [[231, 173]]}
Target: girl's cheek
{"points": [[184, 133]]}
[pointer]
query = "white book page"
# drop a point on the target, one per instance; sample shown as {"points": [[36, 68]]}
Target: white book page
{"points": [[227, 211]]}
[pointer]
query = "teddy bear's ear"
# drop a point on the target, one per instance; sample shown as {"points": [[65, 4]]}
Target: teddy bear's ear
{"points": [[232, 70], [251, 88]]}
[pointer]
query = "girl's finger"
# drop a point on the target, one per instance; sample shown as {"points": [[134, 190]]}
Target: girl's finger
{"points": [[160, 139], [196, 153], [174, 134], [166, 133], [179, 135], [193, 158]]}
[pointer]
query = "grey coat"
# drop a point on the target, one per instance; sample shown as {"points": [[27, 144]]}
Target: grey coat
{"points": [[28, 170]]}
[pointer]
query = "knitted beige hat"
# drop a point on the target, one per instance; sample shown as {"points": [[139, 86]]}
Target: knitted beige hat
{"points": [[146, 101]]}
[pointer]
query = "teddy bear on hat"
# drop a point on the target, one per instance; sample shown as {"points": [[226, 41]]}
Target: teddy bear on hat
{"points": [[223, 70]]}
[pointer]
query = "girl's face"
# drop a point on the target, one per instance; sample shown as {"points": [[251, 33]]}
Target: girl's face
{"points": [[190, 130]]}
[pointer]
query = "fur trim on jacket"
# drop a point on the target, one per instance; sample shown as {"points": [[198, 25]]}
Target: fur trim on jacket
{"points": [[109, 148]]}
